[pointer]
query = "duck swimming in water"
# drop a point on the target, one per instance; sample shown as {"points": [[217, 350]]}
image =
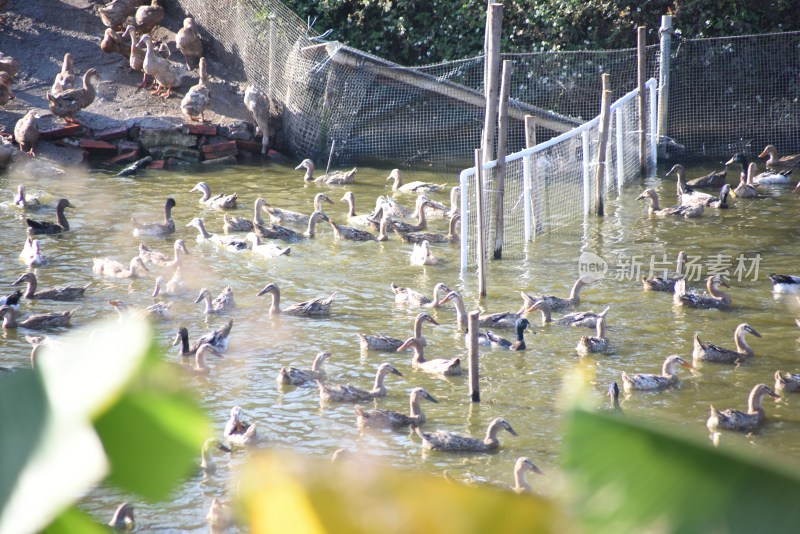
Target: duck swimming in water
{"points": [[437, 366], [731, 419], [777, 162], [391, 344], [348, 393], [594, 344], [267, 250], [123, 518], [411, 187], [487, 320], [153, 228], [392, 419], [658, 283], [229, 242], [63, 293], [237, 432], [318, 307], [412, 297], [217, 338], [521, 466], [716, 298], [489, 338], [687, 211], [163, 260], [332, 178], [558, 303], [241, 224], [174, 286], [115, 269], [294, 376], [455, 442], [47, 227], [220, 201], [787, 382], [35, 322], [784, 283], [32, 255], [223, 303], [708, 352], [586, 319], [280, 216], [273, 231], [650, 382]]}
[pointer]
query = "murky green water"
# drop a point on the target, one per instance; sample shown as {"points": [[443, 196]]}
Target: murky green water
{"points": [[644, 328]]}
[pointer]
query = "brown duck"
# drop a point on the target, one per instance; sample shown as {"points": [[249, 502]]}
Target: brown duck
{"points": [[68, 103], [148, 17], [65, 80], [189, 43], [26, 132]]}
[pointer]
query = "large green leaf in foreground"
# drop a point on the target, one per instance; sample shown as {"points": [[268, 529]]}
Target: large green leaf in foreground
{"points": [[632, 477]]}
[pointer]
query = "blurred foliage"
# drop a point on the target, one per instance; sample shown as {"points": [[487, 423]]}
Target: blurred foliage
{"points": [[414, 32]]}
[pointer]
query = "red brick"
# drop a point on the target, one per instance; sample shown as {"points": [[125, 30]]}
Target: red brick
{"points": [[221, 154], [112, 133], [219, 147], [198, 129], [64, 131], [250, 146], [126, 157], [157, 164], [97, 146]]}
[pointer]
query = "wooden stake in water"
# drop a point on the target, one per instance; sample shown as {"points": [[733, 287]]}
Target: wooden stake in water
{"points": [[492, 78], [500, 170], [474, 378], [602, 146], [330, 157]]}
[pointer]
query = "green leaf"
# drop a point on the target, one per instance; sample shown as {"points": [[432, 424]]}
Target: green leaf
{"points": [[152, 439], [73, 520], [291, 493], [633, 477]]}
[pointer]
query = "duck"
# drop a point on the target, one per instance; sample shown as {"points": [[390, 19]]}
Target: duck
{"points": [[32, 254], [412, 297], [359, 220], [437, 366], [12, 299], [223, 303], [217, 338], [390, 208], [779, 162], [26, 132], [240, 224], [189, 43], [731, 419], [650, 382], [257, 103], [65, 80], [391, 344], [148, 17], [114, 43], [767, 177], [6, 94], [197, 99], [784, 283], [613, 396], [418, 237], [437, 210], [229, 242], [687, 194], [422, 255], [710, 180], [558, 303], [318, 307], [207, 464], [404, 227], [123, 518], [200, 363], [348, 393], [273, 231], [166, 73], [281, 216], [220, 516], [453, 441], [25, 200], [220, 201], [687, 211], [586, 319], [158, 310], [237, 432], [721, 202], [745, 189], [787, 382], [521, 466], [268, 250], [174, 286], [136, 54], [489, 320], [156, 229], [115, 269], [154, 257], [333, 178], [47, 227], [350, 233], [68, 103], [392, 419], [665, 283], [62, 293], [35, 322], [716, 298], [490, 338], [594, 344], [294, 376], [412, 187], [114, 13], [708, 352]]}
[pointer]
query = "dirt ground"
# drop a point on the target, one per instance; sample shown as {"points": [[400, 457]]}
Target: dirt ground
{"points": [[37, 33]]}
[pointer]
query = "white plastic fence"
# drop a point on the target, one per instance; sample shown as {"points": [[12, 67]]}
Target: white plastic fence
{"points": [[550, 187]]}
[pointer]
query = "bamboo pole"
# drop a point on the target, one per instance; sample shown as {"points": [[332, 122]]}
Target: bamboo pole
{"points": [[602, 147], [495, 25], [663, 79], [474, 354], [500, 173], [535, 201], [480, 232], [641, 70]]}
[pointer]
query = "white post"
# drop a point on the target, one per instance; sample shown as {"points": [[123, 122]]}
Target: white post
{"points": [[480, 222], [641, 47], [526, 192], [653, 128], [620, 148], [533, 194], [663, 78], [587, 179], [463, 182]]}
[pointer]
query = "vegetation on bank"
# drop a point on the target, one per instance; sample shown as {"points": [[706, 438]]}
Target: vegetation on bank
{"points": [[414, 32]]}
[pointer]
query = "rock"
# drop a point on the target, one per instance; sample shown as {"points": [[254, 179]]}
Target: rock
{"points": [[227, 160], [237, 131], [112, 133], [198, 129], [158, 138], [186, 154]]}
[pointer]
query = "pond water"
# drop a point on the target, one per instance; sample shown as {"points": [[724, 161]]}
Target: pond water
{"points": [[643, 327]]}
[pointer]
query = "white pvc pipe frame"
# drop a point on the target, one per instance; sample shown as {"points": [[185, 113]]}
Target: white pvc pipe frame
{"points": [[582, 130]]}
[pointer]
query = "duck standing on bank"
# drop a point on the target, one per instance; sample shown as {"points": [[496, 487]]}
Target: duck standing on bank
{"points": [[189, 43], [68, 103], [198, 98], [26, 132], [65, 80]]}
